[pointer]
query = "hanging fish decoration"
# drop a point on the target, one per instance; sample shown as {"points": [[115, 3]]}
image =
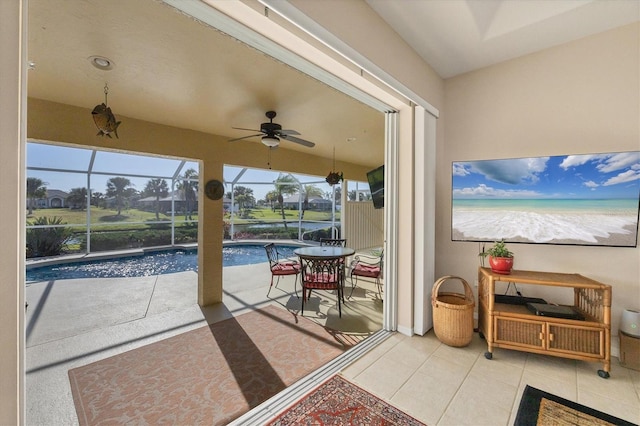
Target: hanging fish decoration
{"points": [[105, 120]]}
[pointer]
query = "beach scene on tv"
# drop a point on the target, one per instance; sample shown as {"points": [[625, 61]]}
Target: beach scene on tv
{"points": [[591, 199]]}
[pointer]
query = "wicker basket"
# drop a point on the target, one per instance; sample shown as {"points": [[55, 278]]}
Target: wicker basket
{"points": [[453, 314]]}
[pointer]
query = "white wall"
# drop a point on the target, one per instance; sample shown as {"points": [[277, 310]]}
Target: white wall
{"points": [[581, 97]]}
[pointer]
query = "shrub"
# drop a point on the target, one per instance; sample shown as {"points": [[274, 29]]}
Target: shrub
{"points": [[118, 240], [47, 241]]}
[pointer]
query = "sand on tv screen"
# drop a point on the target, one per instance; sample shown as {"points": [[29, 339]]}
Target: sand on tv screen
{"points": [[588, 199]]}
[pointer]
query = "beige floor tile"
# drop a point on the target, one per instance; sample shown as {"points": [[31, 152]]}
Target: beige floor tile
{"points": [[467, 410], [412, 356], [372, 356], [553, 367], [424, 398], [507, 356], [498, 370], [444, 371], [490, 391], [618, 386], [559, 387], [426, 344], [612, 406], [384, 377], [460, 356]]}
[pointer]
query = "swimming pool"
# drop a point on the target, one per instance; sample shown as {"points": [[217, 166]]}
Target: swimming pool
{"points": [[164, 262]]}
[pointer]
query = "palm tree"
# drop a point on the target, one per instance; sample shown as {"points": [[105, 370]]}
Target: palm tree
{"points": [[36, 189], [157, 188], [189, 189], [285, 185], [271, 198], [244, 197], [309, 191], [119, 188], [77, 197], [97, 199]]}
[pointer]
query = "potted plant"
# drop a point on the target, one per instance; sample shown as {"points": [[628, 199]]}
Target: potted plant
{"points": [[500, 258]]}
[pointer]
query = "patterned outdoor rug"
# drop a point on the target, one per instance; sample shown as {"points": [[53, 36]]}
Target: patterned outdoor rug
{"points": [[541, 408], [340, 402], [210, 375]]}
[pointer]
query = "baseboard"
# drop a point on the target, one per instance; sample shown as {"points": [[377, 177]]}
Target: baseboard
{"points": [[407, 331]]}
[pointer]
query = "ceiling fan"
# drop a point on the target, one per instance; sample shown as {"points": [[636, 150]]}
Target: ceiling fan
{"points": [[272, 133]]}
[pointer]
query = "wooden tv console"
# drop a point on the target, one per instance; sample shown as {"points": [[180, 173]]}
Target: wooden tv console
{"points": [[513, 326]]}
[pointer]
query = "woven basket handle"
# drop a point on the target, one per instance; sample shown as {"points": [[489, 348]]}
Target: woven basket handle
{"points": [[468, 291]]}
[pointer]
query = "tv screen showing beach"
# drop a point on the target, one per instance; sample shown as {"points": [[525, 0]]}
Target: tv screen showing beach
{"points": [[591, 199]]}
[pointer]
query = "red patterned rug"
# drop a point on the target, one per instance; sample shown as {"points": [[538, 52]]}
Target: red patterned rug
{"points": [[210, 375], [340, 402]]}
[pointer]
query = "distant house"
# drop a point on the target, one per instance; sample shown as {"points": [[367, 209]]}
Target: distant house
{"points": [[226, 205], [167, 204], [315, 203], [54, 199]]}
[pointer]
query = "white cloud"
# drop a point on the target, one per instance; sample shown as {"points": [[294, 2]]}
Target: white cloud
{"points": [[628, 176], [576, 160], [460, 170], [590, 184], [482, 191], [620, 161]]}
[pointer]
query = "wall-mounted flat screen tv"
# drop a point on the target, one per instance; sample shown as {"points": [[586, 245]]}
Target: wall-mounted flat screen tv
{"points": [[591, 199], [376, 185]]}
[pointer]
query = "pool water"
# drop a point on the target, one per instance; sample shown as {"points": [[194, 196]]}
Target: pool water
{"points": [[164, 262]]}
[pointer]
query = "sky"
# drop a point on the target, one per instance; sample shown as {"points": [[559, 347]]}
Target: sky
{"points": [[611, 175], [76, 161]]}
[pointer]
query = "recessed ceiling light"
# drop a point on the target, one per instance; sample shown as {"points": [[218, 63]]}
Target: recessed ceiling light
{"points": [[101, 62]]}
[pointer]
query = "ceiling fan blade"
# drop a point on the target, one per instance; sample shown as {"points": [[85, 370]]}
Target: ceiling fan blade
{"points": [[242, 128], [298, 140], [245, 137], [288, 132]]}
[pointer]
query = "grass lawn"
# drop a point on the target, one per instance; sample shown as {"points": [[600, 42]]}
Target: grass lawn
{"points": [[266, 214], [100, 216]]}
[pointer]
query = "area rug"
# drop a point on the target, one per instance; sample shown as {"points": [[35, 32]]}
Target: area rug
{"points": [[541, 408], [339, 402], [210, 375]]}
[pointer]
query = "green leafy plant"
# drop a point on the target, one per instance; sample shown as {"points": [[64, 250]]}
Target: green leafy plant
{"points": [[50, 240], [499, 249]]}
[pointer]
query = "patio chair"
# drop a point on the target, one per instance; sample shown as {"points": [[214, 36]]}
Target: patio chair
{"points": [[280, 267], [333, 242], [336, 242], [321, 273], [367, 266]]}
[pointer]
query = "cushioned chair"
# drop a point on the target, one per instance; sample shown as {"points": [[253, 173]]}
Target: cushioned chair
{"points": [[280, 267], [333, 242], [367, 266], [336, 243], [324, 273]]}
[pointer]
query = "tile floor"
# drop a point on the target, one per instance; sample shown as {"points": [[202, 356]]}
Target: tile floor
{"points": [[442, 385], [435, 383]]}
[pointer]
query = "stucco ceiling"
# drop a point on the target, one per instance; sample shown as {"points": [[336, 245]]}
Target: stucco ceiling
{"points": [[174, 70], [457, 36]]}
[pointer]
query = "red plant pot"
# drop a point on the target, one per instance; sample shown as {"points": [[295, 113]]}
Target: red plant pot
{"points": [[501, 265]]}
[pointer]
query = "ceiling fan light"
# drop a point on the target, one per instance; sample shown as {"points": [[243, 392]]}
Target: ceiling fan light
{"points": [[270, 141]]}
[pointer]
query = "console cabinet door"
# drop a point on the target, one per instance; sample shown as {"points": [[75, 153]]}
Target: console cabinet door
{"points": [[519, 332], [577, 340]]}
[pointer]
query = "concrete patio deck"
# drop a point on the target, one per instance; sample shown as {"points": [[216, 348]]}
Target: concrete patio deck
{"points": [[70, 323]]}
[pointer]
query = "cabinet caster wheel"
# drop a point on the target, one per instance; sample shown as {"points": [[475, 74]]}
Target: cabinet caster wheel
{"points": [[488, 355], [603, 374], [481, 335]]}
